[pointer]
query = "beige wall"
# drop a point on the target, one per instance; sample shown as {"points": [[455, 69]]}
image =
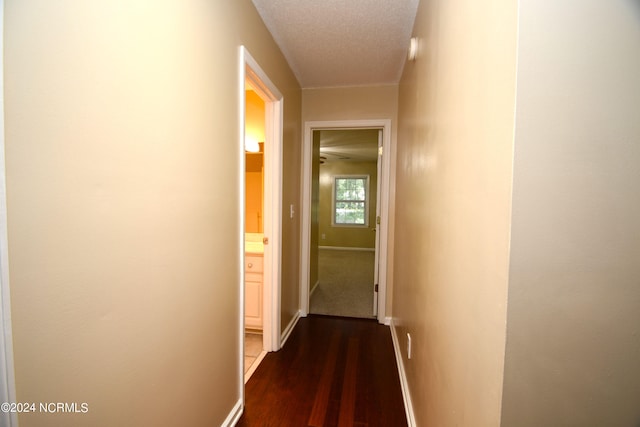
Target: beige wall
{"points": [[123, 193], [573, 341], [346, 237], [455, 147], [360, 103], [350, 103]]}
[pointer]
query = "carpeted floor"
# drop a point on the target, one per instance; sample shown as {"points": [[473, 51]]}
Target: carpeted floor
{"points": [[345, 284]]}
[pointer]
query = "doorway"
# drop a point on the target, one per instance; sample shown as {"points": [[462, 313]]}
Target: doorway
{"points": [[311, 235], [344, 206], [260, 151], [254, 270]]}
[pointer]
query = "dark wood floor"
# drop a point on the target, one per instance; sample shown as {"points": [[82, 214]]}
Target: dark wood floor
{"points": [[331, 372]]}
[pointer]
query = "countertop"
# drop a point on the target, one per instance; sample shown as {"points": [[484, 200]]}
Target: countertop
{"points": [[254, 248]]}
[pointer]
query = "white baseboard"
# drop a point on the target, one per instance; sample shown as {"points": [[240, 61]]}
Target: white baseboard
{"points": [[292, 324], [387, 321], [313, 289], [234, 415], [341, 248], [406, 396], [254, 366]]}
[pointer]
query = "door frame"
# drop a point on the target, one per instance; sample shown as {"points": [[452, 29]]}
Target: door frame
{"points": [[384, 188], [376, 273], [7, 372], [250, 70]]}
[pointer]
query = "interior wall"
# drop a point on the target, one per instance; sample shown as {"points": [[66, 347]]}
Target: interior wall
{"points": [[255, 116], [123, 168], [573, 341], [254, 193], [455, 148], [361, 103], [344, 236], [254, 163]]}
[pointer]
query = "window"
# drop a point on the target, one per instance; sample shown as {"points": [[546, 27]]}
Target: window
{"points": [[351, 200]]}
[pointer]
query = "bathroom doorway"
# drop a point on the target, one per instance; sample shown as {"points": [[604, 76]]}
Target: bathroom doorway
{"points": [[261, 186], [254, 271]]}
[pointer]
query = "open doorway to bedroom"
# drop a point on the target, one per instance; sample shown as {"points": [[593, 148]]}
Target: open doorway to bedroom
{"points": [[354, 214], [343, 257]]}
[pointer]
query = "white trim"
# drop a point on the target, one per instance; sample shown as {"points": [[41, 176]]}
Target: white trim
{"points": [[350, 86], [376, 268], [254, 366], [234, 416], [241, 215], [387, 321], [292, 324], [7, 373], [346, 248], [406, 395], [384, 200]]}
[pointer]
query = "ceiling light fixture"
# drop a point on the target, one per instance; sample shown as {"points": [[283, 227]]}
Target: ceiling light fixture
{"points": [[251, 145]]}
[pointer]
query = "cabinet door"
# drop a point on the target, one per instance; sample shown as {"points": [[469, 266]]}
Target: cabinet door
{"points": [[253, 305]]}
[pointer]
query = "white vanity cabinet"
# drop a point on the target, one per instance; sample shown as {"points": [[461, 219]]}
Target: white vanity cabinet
{"points": [[253, 267]]}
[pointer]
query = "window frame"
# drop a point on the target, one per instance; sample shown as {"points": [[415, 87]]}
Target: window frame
{"points": [[367, 199]]}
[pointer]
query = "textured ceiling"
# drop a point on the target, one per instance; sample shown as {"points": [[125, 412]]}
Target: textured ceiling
{"points": [[332, 43]]}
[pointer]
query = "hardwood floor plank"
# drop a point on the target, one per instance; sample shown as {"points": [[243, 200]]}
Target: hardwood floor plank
{"points": [[321, 401], [348, 400]]}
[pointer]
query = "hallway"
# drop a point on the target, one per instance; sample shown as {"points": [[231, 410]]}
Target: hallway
{"points": [[331, 372], [511, 274]]}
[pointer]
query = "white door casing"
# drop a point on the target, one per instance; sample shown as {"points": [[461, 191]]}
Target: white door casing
{"points": [[7, 379], [250, 71], [384, 167], [376, 226]]}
